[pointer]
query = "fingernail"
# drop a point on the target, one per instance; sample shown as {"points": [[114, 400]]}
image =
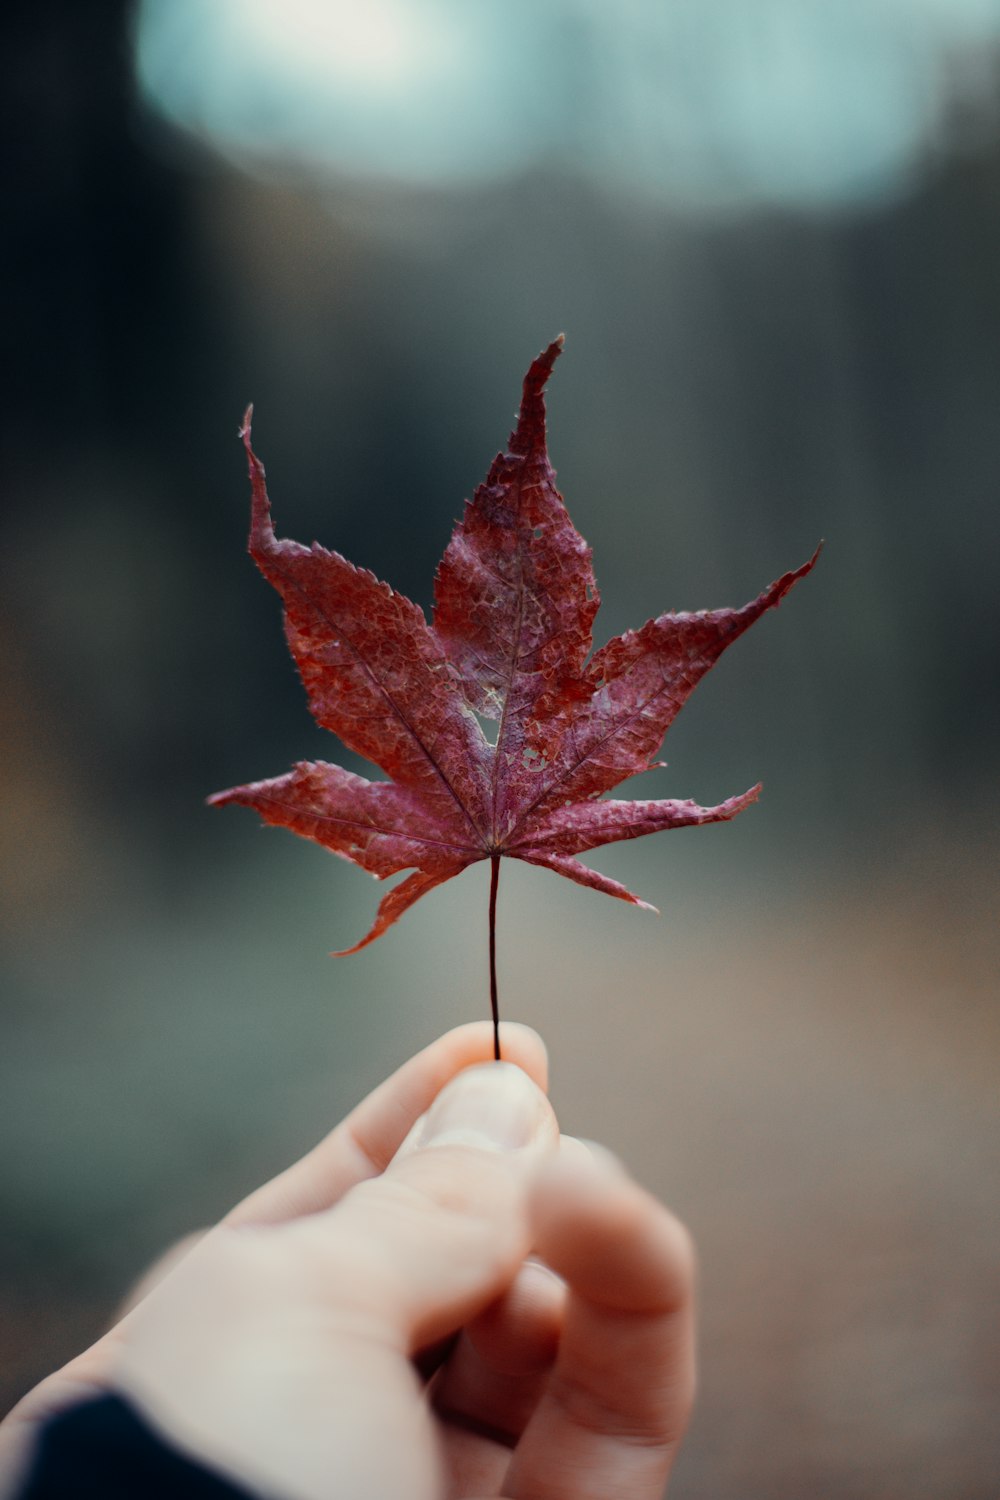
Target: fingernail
{"points": [[494, 1106]]}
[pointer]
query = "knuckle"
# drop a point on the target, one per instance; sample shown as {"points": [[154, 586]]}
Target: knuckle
{"points": [[456, 1183]]}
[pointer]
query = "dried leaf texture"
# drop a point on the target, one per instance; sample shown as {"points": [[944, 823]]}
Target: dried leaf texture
{"points": [[515, 602]]}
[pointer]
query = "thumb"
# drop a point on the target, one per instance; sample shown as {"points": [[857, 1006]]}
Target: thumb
{"points": [[442, 1232]]}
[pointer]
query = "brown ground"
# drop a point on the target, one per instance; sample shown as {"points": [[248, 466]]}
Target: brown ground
{"points": [[817, 1096]]}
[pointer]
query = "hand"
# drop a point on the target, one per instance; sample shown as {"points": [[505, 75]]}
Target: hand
{"points": [[370, 1322]]}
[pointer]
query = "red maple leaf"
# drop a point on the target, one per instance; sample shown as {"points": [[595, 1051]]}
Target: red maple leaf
{"points": [[515, 601]]}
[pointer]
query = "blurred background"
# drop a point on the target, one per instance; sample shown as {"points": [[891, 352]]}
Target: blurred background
{"points": [[770, 230]]}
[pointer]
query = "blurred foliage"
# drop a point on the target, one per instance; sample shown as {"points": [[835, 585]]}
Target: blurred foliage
{"points": [[736, 385]]}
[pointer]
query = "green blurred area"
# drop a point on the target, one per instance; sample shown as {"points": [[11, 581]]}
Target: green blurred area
{"points": [[800, 1054]]}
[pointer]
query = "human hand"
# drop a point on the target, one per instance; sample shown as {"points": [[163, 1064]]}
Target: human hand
{"points": [[291, 1348]]}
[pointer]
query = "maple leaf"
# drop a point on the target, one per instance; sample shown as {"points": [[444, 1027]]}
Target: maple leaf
{"points": [[515, 601]]}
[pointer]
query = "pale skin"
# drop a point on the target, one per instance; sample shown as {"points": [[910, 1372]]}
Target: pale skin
{"points": [[444, 1300]]}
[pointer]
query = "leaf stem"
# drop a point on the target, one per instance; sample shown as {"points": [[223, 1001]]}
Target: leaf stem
{"points": [[494, 883]]}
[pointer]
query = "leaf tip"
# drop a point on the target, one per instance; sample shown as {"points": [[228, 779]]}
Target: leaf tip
{"points": [[528, 436], [544, 362], [737, 804], [807, 566], [375, 931], [261, 530]]}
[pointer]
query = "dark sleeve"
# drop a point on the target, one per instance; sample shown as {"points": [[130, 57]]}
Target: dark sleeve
{"points": [[103, 1450]]}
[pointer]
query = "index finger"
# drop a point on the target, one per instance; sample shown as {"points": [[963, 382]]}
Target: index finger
{"points": [[364, 1143], [620, 1393]]}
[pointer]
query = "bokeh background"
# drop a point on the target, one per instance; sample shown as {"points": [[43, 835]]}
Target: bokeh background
{"points": [[770, 230]]}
